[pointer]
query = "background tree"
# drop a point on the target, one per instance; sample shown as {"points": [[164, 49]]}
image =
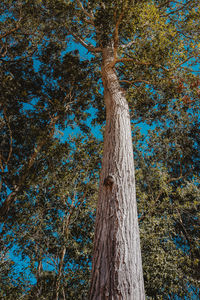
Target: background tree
{"points": [[168, 189], [34, 102], [52, 231]]}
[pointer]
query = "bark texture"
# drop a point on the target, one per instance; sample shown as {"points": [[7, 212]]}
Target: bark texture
{"points": [[117, 266]]}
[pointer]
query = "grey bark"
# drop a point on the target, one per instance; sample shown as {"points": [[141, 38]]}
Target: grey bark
{"points": [[117, 265]]}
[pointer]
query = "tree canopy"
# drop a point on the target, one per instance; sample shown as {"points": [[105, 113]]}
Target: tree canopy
{"points": [[49, 83]]}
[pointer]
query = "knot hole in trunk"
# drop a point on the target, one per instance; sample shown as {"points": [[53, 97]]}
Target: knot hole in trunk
{"points": [[109, 181]]}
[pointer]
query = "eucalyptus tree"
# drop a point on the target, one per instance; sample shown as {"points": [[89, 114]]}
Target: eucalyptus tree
{"points": [[142, 52]]}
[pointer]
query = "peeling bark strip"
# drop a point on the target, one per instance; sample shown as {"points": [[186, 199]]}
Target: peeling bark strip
{"points": [[117, 265]]}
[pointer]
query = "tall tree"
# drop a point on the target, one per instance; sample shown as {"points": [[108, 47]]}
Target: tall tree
{"points": [[138, 44], [117, 266]]}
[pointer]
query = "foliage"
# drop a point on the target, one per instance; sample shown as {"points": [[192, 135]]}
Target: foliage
{"points": [[56, 213], [168, 201], [35, 100], [46, 88]]}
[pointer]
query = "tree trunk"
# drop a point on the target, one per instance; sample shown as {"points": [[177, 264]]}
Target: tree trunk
{"points": [[117, 265]]}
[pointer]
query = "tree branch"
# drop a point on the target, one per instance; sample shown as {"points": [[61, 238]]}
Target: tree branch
{"points": [[127, 45], [144, 63], [180, 64], [6, 204], [42, 142], [66, 224], [1, 163], [84, 44], [14, 29], [4, 50], [135, 81], [180, 221], [85, 11], [9, 32], [164, 4], [123, 60], [116, 34]]}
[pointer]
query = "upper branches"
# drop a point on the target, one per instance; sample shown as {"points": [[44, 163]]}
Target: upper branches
{"points": [[89, 19]]}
